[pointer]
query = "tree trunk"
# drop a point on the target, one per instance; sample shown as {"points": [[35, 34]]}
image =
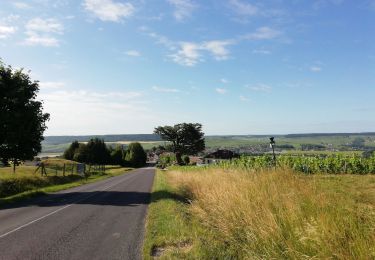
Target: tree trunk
{"points": [[178, 158], [14, 165]]}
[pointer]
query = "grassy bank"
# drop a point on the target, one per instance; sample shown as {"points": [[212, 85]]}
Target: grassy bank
{"points": [[169, 230], [25, 183], [262, 215]]}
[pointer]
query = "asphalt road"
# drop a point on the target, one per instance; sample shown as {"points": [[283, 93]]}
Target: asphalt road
{"points": [[101, 220]]}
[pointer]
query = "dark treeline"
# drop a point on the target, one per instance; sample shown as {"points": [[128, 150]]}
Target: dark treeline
{"points": [[95, 151]]}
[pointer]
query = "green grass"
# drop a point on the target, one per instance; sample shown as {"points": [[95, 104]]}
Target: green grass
{"points": [[27, 184], [167, 233], [268, 215]]}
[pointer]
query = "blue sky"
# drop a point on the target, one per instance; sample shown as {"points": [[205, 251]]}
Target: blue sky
{"points": [[236, 66]]}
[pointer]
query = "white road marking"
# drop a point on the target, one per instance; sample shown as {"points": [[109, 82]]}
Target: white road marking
{"points": [[54, 212]]}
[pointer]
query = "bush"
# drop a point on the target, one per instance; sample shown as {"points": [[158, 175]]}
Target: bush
{"points": [[186, 159], [166, 160], [117, 156], [69, 153]]}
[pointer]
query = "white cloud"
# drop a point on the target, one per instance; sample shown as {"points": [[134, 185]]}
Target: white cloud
{"points": [[188, 54], [133, 53], [183, 9], [165, 90], [6, 31], [82, 112], [41, 32], [47, 41], [21, 5], [261, 51], [160, 39], [108, 10], [44, 26], [51, 85], [7, 26], [243, 8], [217, 49], [315, 69], [223, 80], [221, 91], [263, 33], [244, 99], [260, 87]]}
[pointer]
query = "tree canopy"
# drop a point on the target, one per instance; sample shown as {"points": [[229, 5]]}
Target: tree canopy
{"points": [[136, 155], [185, 138], [22, 121], [94, 152]]}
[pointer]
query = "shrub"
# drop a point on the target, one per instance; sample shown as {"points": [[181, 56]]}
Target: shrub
{"points": [[166, 160], [186, 159]]}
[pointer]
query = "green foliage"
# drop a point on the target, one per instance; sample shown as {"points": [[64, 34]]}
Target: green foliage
{"points": [[166, 160], [316, 147], [69, 153], [185, 138], [97, 152], [186, 159], [333, 164], [94, 152], [21, 115], [117, 156], [135, 155], [80, 154], [358, 142]]}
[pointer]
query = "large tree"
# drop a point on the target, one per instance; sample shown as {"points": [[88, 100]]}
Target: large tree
{"points": [[97, 152], [135, 155], [22, 121], [185, 138], [71, 150]]}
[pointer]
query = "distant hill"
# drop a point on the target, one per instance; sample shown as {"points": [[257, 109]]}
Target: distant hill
{"points": [[329, 134], [153, 137], [331, 141], [107, 138]]}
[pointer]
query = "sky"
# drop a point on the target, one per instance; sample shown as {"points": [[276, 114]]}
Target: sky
{"points": [[235, 66]]}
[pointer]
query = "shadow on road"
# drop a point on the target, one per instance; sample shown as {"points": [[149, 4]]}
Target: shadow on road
{"points": [[109, 198]]}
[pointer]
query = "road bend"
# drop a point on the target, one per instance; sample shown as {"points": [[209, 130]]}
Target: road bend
{"points": [[101, 220]]}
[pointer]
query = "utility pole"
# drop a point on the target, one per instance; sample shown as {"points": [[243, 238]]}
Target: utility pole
{"points": [[272, 145]]}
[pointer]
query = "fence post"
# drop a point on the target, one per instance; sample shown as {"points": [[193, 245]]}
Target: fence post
{"points": [[64, 170]]}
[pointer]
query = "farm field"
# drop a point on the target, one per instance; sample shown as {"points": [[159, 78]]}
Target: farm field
{"points": [[217, 213], [339, 143]]}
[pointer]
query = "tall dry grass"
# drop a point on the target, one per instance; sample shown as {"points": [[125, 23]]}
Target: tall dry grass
{"points": [[268, 214]]}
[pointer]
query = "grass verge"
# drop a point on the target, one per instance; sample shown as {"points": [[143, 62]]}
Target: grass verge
{"points": [[69, 181], [167, 233], [263, 215]]}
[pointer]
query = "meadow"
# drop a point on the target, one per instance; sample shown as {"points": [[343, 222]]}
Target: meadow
{"points": [[233, 213], [27, 181]]}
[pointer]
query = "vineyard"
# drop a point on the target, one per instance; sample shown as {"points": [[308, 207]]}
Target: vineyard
{"points": [[332, 164]]}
